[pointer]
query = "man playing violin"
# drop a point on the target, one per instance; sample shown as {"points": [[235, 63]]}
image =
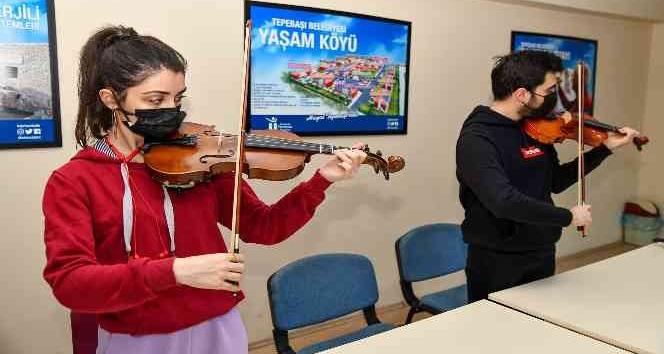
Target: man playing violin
{"points": [[506, 178]]}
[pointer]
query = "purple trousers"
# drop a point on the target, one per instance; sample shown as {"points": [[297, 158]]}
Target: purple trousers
{"points": [[220, 335]]}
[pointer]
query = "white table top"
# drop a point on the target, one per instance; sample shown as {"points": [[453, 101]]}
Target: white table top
{"points": [[619, 300], [481, 327]]}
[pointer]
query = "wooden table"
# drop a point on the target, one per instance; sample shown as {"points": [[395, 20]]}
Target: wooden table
{"points": [[619, 301], [482, 327]]}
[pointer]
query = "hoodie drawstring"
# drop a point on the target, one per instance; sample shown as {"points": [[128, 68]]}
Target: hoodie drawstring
{"points": [[128, 217]]}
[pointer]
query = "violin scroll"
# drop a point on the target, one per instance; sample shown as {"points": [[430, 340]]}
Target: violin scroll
{"points": [[392, 165], [639, 141]]}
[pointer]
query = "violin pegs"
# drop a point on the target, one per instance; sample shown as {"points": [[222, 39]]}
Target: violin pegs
{"points": [[379, 153]]}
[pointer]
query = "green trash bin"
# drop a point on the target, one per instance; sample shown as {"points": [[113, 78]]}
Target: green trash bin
{"points": [[641, 223]]}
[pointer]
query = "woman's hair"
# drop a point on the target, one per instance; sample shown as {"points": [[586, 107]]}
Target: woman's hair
{"points": [[117, 58]]}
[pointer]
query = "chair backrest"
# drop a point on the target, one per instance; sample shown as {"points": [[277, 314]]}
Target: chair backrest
{"points": [[319, 288], [431, 251]]}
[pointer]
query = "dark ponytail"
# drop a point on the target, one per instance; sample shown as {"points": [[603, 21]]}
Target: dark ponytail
{"points": [[117, 58]]}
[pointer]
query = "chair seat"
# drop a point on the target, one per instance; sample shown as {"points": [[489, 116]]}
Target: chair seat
{"points": [[351, 337], [447, 299]]}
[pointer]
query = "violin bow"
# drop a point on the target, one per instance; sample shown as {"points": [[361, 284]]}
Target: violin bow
{"points": [[581, 169], [237, 192]]}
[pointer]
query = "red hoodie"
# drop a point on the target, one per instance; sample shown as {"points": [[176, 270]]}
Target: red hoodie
{"points": [[88, 266]]}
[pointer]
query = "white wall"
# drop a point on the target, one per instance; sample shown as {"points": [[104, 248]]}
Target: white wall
{"points": [[652, 170], [646, 10], [452, 44]]}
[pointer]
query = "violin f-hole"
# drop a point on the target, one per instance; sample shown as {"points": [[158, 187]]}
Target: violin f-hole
{"points": [[204, 158]]}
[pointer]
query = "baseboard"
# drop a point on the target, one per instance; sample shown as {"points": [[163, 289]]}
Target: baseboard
{"points": [[584, 253]]}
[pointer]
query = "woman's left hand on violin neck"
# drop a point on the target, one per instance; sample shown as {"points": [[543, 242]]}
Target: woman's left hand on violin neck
{"points": [[344, 165], [616, 140]]}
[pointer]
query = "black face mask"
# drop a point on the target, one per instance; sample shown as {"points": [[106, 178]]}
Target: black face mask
{"points": [[156, 124], [546, 108]]}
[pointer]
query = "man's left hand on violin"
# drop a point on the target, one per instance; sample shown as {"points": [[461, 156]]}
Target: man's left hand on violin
{"points": [[345, 163], [616, 140]]}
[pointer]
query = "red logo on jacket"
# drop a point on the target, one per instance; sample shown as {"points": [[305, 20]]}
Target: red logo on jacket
{"points": [[531, 152]]}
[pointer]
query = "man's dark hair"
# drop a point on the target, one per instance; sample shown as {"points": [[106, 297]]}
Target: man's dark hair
{"points": [[525, 68]]}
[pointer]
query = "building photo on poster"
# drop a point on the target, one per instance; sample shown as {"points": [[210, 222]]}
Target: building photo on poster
{"points": [[29, 110]]}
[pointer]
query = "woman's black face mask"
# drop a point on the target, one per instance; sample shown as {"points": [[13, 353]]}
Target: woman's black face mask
{"points": [[155, 124]]}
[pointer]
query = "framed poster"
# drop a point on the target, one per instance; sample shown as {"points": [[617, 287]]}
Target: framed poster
{"points": [[571, 50], [323, 72], [29, 96]]}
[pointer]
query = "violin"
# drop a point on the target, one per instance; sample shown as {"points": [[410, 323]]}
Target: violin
{"points": [[550, 131], [198, 152]]}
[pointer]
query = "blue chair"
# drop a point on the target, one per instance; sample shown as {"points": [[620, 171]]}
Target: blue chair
{"points": [[315, 289], [428, 252]]}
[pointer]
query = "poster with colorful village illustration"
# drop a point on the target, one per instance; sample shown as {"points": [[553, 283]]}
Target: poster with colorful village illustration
{"points": [[315, 72]]}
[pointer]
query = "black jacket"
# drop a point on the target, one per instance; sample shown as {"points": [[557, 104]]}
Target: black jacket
{"points": [[506, 197]]}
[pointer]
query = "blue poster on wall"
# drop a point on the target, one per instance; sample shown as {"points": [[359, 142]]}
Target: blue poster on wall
{"points": [[572, 51], [29, 109], [321, 72]]}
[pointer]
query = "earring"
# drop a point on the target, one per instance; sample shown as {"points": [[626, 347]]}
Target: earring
{"points": [[116, 122]]}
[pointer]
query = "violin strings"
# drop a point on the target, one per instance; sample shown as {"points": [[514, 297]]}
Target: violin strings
{"points": [[600, 125], [265, 141], [254, 140]]}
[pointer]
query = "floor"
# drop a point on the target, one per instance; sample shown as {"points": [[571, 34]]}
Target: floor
{"points": [[396, 313]]}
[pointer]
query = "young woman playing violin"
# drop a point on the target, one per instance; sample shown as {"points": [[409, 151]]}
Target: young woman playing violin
{"points": [[506, 178], [149, 262]]}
